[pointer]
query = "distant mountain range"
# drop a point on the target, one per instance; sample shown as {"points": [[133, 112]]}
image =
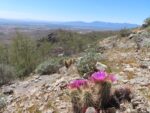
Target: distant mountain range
{"points": [[96, 25]]}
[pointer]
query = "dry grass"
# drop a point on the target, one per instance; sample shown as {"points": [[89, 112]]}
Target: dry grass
{"points": [[34, 109], [146, 93], [50, 105]]}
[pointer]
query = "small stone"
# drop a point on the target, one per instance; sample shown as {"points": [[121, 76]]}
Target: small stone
{"points": [[49, 111], [129, 69], [125, 81], [122, 107], [46, 97], [13, 86], [133, 111], [37, 77], [36, 80], [128, 111], [100, 66], [131, 36], [90, 110], [10, 99], [41, 108], [8, 91]]}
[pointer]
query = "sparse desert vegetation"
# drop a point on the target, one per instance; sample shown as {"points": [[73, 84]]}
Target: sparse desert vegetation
{"points": [[23, 54], [79, 71], [74, 56]]}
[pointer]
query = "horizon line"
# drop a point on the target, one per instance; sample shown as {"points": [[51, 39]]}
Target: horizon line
{"points": [[53, 21]]}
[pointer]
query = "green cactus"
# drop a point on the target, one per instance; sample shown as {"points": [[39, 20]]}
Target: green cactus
{"points": [[88, 99], [76, 102], [105, 94]]}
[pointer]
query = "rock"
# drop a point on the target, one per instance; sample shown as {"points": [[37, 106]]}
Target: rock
{"points": [[143, 66], [148, 110], [26, 84], [133, 111], [61, 83], [122, 107], [125, 81], [60, 55], [14, 85], [140, 104], [61, 106], [129, 69], [100, 66], [90, 110], [46, 97], [131, 36], [41, 108], [10, 99], [49, 111], [7, 91], [128, 110], [33, 91]]}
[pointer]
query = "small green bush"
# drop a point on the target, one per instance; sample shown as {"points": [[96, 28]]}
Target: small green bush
{"points": [[7, 74], [23, 55], [124, 32], [86, 64], [49, 67], [2, 102], [147, 22], [4, 54], [148, 29]]}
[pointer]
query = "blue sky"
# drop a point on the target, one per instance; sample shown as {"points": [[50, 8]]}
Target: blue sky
{"points": [[129, 11]]}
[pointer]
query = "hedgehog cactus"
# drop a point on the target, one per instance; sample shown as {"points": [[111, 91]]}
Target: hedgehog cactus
{"points": [[105, 94], [101, 98], [88, 100], [76, 102]]}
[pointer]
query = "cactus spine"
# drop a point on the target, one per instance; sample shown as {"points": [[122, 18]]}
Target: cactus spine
{"points": [[76, 104], [105, 94], [88, 99]]}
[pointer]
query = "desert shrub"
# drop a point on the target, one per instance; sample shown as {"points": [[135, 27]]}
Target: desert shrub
{"points": [[86, 64], [146, 22], [2, 102], [49, 66], [73, 42], [23, 55], [7, 74], [124, 32], [4, 54], [148, 29], [44, 49]]}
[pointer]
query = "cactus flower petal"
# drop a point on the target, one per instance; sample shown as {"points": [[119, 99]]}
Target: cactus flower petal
{"points": [[112, 78], [77, 83], [98, 76]]}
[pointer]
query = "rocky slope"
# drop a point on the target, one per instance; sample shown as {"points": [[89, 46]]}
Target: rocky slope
{"points": [[127, 57]]}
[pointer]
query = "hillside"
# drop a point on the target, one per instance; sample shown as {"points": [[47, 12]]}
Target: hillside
{"points": [[127, 57]]}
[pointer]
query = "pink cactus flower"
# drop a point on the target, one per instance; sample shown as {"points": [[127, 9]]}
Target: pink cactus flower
{"points": [[112, 78], [76, 84], [98, 76], [101, 76]]}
